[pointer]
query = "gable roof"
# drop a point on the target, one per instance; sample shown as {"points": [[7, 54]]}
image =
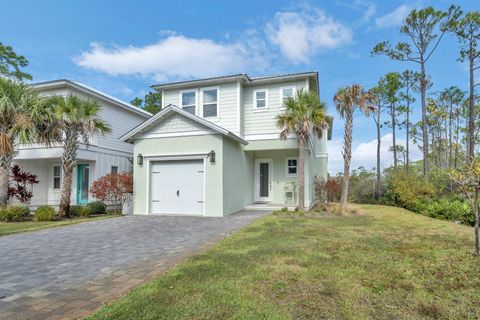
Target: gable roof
{"points": [[237, 77], [65, 83], [174, 109]]}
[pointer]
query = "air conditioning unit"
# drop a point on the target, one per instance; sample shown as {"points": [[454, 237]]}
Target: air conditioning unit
{"points": [[290, 192]]}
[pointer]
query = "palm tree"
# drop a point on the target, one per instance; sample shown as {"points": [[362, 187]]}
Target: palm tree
{"points": [[348, 100], [21, 121], [304, 116], [75, 120]]}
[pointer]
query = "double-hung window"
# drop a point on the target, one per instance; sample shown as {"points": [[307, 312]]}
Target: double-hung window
{"points": [[210, 103], [114, 170], [285, 93], [291, 167], [260, 98], [189, 101], [57, 177]]}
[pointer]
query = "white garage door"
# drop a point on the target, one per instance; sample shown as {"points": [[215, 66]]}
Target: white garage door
{"points": [[177, 187]]}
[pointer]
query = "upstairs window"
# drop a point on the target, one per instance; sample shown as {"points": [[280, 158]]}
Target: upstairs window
{"points": [[291, 167], [210, 103], [114, 170], [189, 101], [285, 93], [57, 177], [260, 99]]}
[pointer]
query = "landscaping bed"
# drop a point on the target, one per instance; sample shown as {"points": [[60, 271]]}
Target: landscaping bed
{"points": [[385, 264]]}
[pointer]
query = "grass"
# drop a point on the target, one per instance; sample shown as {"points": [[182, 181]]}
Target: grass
{"points": [[25, 226], [385, 264]]}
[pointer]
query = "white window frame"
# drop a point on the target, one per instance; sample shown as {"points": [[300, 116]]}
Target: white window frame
{"points": [[262, 109], [218, 102], [180, 94], [53, 177], [111, 169], [294, 91], [286, 167]]}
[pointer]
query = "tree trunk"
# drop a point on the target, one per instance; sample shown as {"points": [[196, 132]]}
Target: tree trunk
{"points": [[69, 160], [379, 142], [471, 108], [301, 175], [456, 141], [407, 143], [475, 212], [4, 173], [394, 124], [423, 89], [450, 134], [347, 155]]}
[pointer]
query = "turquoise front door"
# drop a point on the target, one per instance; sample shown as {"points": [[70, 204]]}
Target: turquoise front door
{"points": [[83, 171]]}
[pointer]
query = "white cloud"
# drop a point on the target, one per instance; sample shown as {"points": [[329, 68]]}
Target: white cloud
{"points": [[365, 154], [173, 57], [301, 35], [394, 18]]}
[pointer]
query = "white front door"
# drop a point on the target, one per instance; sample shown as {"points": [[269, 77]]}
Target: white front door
{"points": [[177, 187], [263, 180]]}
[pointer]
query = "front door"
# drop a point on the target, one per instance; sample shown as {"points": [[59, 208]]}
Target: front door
{"points": [[83, 172], [263, 180]]}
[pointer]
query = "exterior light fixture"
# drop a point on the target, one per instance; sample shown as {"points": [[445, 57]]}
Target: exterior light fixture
{"points": [[140, 159], [211, 155]]}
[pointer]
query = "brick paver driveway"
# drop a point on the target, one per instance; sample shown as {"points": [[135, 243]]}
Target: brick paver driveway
{"points": [[67, 272]]}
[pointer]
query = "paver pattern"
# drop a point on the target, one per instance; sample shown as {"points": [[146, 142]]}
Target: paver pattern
{"points": [[68, 272]]}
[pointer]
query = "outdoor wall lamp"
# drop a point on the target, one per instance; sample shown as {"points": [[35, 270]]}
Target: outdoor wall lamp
{"points": [[140, 159], [211, 155]]}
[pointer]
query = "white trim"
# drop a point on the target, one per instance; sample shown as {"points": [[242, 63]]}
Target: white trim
{"points": [[307, 85], [256, 177], [291, 175], [266, 136], [255, 108], [213, 119], [163, 98], [156, 158], [180, 100], [239, 125], [172, 108], [280, 93]]}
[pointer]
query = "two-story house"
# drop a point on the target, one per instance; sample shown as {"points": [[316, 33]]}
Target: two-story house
{"points": [[215, 148], [102, 155]]}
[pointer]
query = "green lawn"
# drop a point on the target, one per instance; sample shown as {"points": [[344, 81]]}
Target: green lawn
{"points": [[387, 264], [16, 227]]}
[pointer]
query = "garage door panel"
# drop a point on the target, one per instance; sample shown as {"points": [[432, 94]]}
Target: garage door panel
{"points": [[177, 187]]}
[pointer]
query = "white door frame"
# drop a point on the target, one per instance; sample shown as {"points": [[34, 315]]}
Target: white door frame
{"points": [[256, 181]]}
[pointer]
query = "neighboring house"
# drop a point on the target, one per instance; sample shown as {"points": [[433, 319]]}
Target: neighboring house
{"points": [[215, 148], [102, 155]]}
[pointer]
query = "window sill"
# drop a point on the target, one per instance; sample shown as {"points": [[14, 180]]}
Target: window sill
{"points": [[291, 175], [212, 119], [260, 110]]}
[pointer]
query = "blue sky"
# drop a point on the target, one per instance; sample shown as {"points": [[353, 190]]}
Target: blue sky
{"points": [[122, 47]]}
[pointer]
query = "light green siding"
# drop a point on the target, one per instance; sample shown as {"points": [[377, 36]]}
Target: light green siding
{"points": [[264, 122], [228, 104], [178, 146]]}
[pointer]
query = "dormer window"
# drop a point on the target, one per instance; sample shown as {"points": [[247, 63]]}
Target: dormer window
{"points": [[189, 101], [210, 102], [285, 93], [260, 99]]}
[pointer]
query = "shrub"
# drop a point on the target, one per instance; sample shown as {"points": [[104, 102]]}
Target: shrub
{"points": [[112, 187], [14, 213], [97, 207], [406, 189], [75, 211], [21, 184], [84, 211], [45, 213]]}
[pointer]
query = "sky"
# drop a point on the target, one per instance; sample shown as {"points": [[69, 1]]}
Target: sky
{"points": [[123, 47]]}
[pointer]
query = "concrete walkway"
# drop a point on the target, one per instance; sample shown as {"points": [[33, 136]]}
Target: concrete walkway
{"points": [[68, 272]]}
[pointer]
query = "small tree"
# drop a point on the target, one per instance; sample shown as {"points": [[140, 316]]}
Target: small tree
{"points": [[112, 187], [21, 184], [468, 180]]}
